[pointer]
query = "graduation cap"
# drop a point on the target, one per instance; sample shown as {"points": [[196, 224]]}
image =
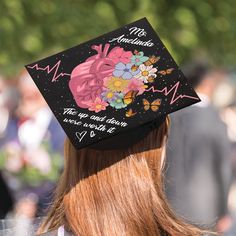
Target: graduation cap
{"points": [[109, 92]]}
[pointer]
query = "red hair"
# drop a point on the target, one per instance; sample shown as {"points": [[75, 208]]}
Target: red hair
{"points": [[113, 193]]}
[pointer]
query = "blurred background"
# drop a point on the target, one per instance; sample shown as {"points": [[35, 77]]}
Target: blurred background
{"points": [[201, 37]]}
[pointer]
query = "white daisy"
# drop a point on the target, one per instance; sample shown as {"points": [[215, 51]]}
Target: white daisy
{"points": [[145, 72]]}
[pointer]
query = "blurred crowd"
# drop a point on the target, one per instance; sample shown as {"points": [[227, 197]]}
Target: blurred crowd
{"points": [[31, 150], [200, 170]]}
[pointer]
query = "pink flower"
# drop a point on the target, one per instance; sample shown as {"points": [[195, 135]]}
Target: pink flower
{"points": [[135, 85], [98, 105], [118, 54]]}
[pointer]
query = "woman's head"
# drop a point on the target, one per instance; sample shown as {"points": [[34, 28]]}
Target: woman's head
{"points": [[116, 192]]}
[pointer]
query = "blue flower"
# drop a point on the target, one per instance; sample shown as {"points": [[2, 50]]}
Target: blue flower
{"points": [[138, 59], [124, 71], [118, 101]]}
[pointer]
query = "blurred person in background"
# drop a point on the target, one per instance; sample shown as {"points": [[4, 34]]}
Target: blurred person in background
{"points": [[198, 167], [229, 117], [35, 118], [9, 98], [6, 202], [3, 111], [31, 156]]}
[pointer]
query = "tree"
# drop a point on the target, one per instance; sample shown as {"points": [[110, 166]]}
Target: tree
{"points": [[30, 30]]}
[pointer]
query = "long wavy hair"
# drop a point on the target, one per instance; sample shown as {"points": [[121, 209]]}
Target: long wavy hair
{"points": [[116, 192]]}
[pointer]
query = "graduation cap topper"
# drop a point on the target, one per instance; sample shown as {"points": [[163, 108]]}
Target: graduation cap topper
{"points": [[112, 84]]}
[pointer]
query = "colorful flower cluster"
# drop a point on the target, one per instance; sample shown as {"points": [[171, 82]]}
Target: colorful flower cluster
{"points": [[131, 73]]}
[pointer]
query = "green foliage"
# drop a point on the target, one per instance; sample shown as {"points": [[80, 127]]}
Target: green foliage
{"points": [[30, 30]]}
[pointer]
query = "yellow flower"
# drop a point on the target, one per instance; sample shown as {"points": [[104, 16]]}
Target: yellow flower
{"points": [[116, 84]]}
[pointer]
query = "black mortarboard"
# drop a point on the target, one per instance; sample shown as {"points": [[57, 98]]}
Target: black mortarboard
{"points": [[110, 91]]}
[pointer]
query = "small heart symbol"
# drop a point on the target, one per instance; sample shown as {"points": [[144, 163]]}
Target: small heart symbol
{"points": [[92, 134], [80, 135]]}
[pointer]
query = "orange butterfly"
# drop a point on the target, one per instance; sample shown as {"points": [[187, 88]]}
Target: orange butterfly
{"points": [[151, 79], [130, 113], [166, 72], [129, 97], [134, 67], [152, 60], [153, 105]]}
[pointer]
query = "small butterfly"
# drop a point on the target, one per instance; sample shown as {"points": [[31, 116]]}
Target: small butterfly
{"points": [[129, 97], [130, 113], [166, 72], [153, 105], [136, 52], [134, 67], [151, 79], [152, 60]]}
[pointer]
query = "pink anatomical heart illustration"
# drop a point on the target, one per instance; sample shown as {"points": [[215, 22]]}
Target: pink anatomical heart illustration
{"points": [[87, 79]]}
